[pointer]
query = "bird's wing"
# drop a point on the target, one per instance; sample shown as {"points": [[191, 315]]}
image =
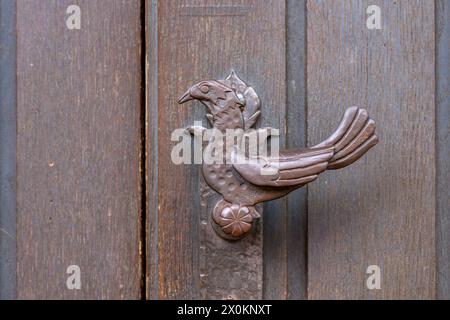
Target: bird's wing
{"points": [[290, 168], [252, 103]]}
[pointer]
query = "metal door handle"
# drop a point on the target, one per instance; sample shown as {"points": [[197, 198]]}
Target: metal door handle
{"points": [[244, 177]]}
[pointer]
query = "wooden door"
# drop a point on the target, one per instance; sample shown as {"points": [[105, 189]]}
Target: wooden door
{"points": [[88, 188], [77, 151]]}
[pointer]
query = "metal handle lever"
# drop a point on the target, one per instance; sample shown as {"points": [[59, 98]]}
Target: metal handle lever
{"points": [[245, 174]]}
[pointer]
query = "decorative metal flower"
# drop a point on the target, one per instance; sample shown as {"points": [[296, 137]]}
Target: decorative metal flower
{"points": [[234, 220]]}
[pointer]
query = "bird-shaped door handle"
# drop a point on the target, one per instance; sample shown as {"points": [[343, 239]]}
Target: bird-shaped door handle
{"points": [[243, 178]]}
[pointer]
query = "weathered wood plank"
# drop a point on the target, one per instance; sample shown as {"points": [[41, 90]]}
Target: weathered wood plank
{"points": [[78, 149], [285, 226], [381, 210], [443, 148], [7, 149], [152, 148], [200, 40]]}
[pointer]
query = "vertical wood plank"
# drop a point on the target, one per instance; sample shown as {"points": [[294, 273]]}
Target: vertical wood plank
{"points": [[381, 210], [7, 149], [152, 148], [285, 225], [443, 147], [78, 149], [199, 40]]}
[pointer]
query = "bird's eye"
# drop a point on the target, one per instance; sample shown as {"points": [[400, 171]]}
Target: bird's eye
{"points": [[204, 89]]}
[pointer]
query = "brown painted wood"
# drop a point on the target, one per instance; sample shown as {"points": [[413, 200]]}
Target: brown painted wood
{"points": [[381, 210], [78, 149], [197, 40]]}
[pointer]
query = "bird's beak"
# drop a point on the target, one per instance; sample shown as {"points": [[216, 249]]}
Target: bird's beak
{"points": [[185, 97]]}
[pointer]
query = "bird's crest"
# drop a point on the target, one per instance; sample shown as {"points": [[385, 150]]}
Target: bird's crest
{"points": [[251, 101]]}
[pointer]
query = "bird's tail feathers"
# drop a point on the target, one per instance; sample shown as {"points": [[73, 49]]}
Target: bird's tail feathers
{"points": [[354, 136]]}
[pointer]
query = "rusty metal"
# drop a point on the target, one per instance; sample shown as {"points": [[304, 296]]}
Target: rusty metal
{"points": [[244, 179]]}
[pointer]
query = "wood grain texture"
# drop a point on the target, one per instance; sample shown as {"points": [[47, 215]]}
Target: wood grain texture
{"points": [[285, 225], [78, 149], [7, 149], [199, 40], [380, 210], [443, 148], [151, 148]]}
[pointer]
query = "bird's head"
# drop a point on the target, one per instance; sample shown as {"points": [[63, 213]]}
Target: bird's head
{"points": [[215, 95]]}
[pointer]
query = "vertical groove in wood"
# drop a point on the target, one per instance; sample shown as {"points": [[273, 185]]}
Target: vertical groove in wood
{"points": [[200, 40], [7, 149], [443, 147], [152, 150], [297, 208], [285, 224], [380, 210], [143, 215], [79, 149]]}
